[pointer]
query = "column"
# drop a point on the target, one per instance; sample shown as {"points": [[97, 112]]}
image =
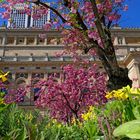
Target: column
{"points": [[136, 65], [15, 40], [14, 76], [45, 41], [4, 40], [35, 40], [116, 41], [46, 57], [31, 90], [134, 72], [123, 41], [25, 40], [45, 76]]}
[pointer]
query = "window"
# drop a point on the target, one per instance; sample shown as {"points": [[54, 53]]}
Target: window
{"points": [[37, 75], [21, 83], [24, 75], [52, 40], [53, 67], [120, 40], [9, 76], [10, 40], [41, 41], [22, 68], [37, 67], [6, 68], [30, 40], [36, 91], [20, 40], [55, 75]]}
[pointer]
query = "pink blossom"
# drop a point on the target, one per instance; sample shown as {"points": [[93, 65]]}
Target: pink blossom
{"points": [[47, 26], [72, 95]]}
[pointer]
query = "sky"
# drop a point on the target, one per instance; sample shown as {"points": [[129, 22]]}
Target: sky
{"points": [[130, 18]]}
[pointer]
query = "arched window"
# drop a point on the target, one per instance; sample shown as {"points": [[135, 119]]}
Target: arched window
{"points": [[23, 75], [35, 88], [35, 79], [120, 40], [21, 83]]}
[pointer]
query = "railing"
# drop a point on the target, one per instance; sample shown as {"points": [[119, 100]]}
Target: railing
{"points": [[128, 47], [49, 58]]}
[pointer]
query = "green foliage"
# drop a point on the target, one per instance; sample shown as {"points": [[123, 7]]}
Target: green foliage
{"points": [[114, 119], [130, 129], [136, 112]]}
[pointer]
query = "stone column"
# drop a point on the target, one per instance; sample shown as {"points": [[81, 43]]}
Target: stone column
{"points": [[45, 43], [134, 72], [123, 41], [14, 76], [45, 75], [16, 57], [4, 40], [35, 40], [31, 90], [46, 57], [25, 40], [136, 66], [15, 40], [116, 41]]}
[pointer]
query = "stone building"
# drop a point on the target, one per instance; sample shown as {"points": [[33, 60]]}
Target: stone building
{"points": [[25, 54]]}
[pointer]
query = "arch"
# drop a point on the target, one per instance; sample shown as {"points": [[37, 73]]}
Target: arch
{"points": [[21, 82]]}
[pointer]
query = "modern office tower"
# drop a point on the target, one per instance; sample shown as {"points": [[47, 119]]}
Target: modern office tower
{"points": [[19, 19]]}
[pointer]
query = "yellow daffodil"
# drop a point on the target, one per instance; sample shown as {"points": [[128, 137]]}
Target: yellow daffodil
{"points": [[1, 101], [89, 115], [3, 76], [123, 93]]}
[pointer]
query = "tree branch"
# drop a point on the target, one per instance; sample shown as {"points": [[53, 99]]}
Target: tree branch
{"points": [[68, 104], [38, 2], [98, 23], [78, 16]]}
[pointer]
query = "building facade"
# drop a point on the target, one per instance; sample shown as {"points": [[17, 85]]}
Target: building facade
{"points": [[25, 54]]}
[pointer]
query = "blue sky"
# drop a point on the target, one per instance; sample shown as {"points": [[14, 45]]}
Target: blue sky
{"points": [[130, 18]]}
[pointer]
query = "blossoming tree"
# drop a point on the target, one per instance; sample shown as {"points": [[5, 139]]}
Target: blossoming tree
{"points": [[11, 93], [70, 97], [85, 26]]}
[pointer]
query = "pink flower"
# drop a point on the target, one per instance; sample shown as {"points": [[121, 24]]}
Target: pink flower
{"points": [[47, 26]]}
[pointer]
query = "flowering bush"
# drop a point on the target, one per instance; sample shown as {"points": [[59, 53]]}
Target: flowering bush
{"points": [[11, 93], [70, 97], [97, 122]]}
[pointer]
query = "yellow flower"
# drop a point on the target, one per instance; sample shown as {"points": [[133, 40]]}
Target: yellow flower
{"points": [[120, 94], [48, 125], [30, 117], [1, 101], [123, 93], [109, 95], [89, 115], [54, 121], [59, 125], [73, 120], [3, 76]]}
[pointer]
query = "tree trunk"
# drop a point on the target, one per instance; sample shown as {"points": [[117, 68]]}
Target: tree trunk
{"points": [[118, 79]]}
